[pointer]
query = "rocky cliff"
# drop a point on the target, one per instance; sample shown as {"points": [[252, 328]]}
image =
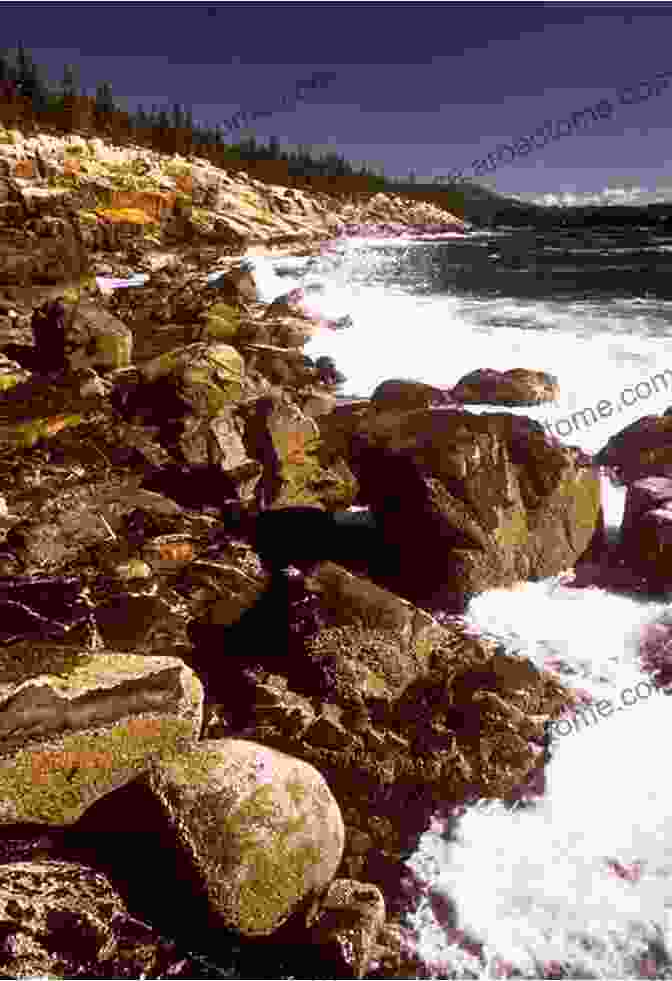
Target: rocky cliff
{"points": [[65, 197]]}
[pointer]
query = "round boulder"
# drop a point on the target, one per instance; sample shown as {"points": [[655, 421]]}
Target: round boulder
{"points": [[519, 386], [404, 395], [263, 830]]}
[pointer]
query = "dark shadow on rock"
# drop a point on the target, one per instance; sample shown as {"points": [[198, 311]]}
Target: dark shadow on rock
{"points": [[153, 404], [259, 445], [48, 326], [23, 354], [193, 486], [304, 536], [269, 637]]}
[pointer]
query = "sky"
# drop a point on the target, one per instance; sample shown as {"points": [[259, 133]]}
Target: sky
{"points": [[426, 87]]}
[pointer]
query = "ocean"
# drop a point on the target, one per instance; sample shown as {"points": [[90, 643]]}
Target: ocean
{"points": [[577, 883]]}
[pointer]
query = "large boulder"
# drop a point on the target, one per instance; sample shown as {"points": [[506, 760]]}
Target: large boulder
{"points": [[285, 442], [404, 395], [208, 377], [75, 725], [251, 834], [518, 386], [643, 449], [262, 828], [96, 339], [646, 532], [472, 502], [642, 496]]}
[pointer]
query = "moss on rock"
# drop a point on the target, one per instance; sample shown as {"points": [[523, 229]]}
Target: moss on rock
{"points": [[24, 435], [263, 829], [55, 785]]}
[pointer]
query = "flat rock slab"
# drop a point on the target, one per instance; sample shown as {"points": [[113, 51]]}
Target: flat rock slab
{"points": [[75, 726]]}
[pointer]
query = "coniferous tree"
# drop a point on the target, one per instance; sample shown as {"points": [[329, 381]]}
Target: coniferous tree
{"points": [[7, 70], [69, 82], [178, 116], [24, 69], [104, 100], [29, 81], [8, 87], [274, 148]]}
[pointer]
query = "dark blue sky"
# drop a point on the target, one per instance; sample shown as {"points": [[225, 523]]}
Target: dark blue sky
{"points": [[424, 86]]}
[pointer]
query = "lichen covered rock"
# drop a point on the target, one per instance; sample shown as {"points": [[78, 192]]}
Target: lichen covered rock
{"points": [[209, 376], [471, 502], [96, 339], [76, 725], [262, 829]]}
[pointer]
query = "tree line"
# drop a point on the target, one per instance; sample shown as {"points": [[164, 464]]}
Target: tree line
{"points": [[27, 98]]}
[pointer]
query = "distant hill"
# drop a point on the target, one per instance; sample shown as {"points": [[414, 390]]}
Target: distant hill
{"points": [[484, 208]]}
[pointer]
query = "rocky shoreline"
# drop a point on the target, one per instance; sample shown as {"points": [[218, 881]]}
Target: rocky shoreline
{"points": [[235, 680]]}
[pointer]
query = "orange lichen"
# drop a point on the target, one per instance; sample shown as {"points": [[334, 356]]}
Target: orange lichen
{"points": [[72, 165], [157, 204], [56, 424], [132, 216], [184, 183], [25, 168], [176, 551], [44, 764]]}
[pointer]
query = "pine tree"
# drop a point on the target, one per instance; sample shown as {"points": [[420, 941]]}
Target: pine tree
{"points": [[29, 81], [178, 116], [274, 148], [24, 69], [69, 82], [8, 86], [104, 99], [7, 72]]}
